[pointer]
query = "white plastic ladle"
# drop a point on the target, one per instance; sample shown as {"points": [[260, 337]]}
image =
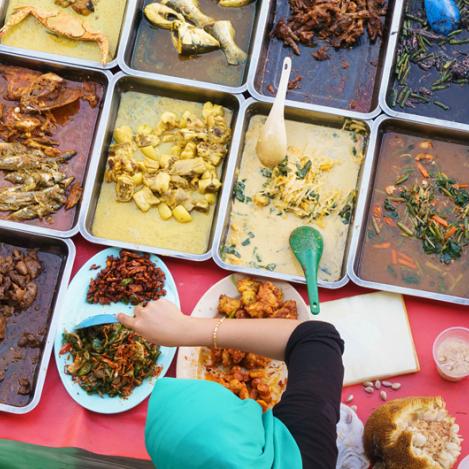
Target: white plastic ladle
{"points": [[271, 147]]}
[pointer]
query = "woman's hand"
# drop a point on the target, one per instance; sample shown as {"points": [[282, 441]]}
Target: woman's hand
{"points": [[160, 322]]}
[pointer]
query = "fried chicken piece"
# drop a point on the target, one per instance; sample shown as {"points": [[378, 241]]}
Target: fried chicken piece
{"points": [[241, 314], [24, 386], [228, 305], [287, 310], [252, 361], [248, 289], [270, 294]]}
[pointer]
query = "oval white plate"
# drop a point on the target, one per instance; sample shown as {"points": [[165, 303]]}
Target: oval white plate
{"points": [[187, 365], [76, 308]]}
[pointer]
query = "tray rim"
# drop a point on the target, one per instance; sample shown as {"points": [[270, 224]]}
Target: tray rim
{"points": [[62, 286], [95, 160], [361, 212]]}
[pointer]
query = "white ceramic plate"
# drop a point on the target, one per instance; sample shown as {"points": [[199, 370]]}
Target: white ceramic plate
{"points": [[187, 365], [75, 309]]}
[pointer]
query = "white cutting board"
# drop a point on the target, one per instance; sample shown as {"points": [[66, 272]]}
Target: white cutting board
{"points": [[377, 336]]}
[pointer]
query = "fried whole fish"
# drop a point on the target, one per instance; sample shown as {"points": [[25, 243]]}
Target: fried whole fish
{"points": [[190, 40], [190, 9], [224, 32]]}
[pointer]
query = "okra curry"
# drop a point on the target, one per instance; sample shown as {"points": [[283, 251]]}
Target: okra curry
{"points": [[418, 223]]}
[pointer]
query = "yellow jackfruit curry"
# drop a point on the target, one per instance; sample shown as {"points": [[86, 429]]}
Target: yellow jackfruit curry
{"points": [[163, 173]]}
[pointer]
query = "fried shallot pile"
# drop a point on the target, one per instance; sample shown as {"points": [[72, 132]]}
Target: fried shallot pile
{"points": [[340, 22], [246, 374]]}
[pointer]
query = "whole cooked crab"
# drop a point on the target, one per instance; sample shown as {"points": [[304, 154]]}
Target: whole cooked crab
{"points": [[59, 23]]}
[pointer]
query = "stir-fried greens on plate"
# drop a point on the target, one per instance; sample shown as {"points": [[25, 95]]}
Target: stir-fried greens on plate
{"points": [[110, 359]]}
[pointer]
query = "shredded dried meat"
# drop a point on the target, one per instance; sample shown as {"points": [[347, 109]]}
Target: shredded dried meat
{"points": [[340, 22]]}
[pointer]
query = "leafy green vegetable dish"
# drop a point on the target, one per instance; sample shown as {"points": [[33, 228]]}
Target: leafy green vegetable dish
{"points": [[110, 359], [418, 223]]}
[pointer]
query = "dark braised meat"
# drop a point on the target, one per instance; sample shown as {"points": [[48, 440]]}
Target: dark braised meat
{"points": [[29, 340], [30, 120], [24, 386], [340, 22], [17, 287], [321, 54], [295, 83], [3, 327]]}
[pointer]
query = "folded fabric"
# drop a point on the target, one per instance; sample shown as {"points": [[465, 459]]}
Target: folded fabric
{"points": [[350, 441]]}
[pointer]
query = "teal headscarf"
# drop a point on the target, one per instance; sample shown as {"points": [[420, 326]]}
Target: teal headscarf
{"points": [[200, 424]]}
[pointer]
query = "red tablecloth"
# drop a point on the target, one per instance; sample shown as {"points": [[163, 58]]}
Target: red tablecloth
{"points": [[59, 421]]}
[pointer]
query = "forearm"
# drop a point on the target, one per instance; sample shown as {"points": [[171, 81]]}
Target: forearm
{"points": [[268, 337]]}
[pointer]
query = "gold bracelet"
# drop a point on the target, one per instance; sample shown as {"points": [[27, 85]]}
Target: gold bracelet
{"points": [[215, 331]]}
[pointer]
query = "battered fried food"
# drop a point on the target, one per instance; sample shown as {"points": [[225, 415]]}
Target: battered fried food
{"points": [[246, 374]]}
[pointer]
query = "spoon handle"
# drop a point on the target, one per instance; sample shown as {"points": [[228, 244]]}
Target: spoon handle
{"points": [[283, 85], [311, 274]]}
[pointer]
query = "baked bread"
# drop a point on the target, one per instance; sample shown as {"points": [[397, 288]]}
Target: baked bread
{"points": [[412, 433]]}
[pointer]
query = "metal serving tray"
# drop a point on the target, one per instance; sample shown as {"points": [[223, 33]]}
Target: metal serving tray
{"points": [[129, 9], [120, 84], [317, 76], [66, 249], [366, 190], [71, 72], [129, 35], [250, 108], [387, 81]]}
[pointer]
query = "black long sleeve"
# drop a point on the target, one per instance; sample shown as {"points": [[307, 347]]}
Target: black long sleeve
{"points": [[310, 405]]}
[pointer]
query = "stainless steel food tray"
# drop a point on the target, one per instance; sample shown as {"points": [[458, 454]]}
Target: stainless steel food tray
{"points": [[72, 72], [129, 10], [120, 84], [129, 37], [261, 43], [387, 80], [364, 199], [66, 248], [252, 107]]}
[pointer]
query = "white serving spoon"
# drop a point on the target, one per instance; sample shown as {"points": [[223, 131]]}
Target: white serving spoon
{"points": [[271, 147]]}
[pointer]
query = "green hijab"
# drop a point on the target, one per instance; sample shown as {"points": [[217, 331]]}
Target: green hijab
{"points": [[200, 424]]}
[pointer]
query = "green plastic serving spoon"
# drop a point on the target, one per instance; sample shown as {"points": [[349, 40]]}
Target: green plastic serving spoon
{"points": [[307, 245]]}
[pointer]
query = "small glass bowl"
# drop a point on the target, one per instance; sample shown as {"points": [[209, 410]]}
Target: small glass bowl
{"points": [[452, 332]]}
